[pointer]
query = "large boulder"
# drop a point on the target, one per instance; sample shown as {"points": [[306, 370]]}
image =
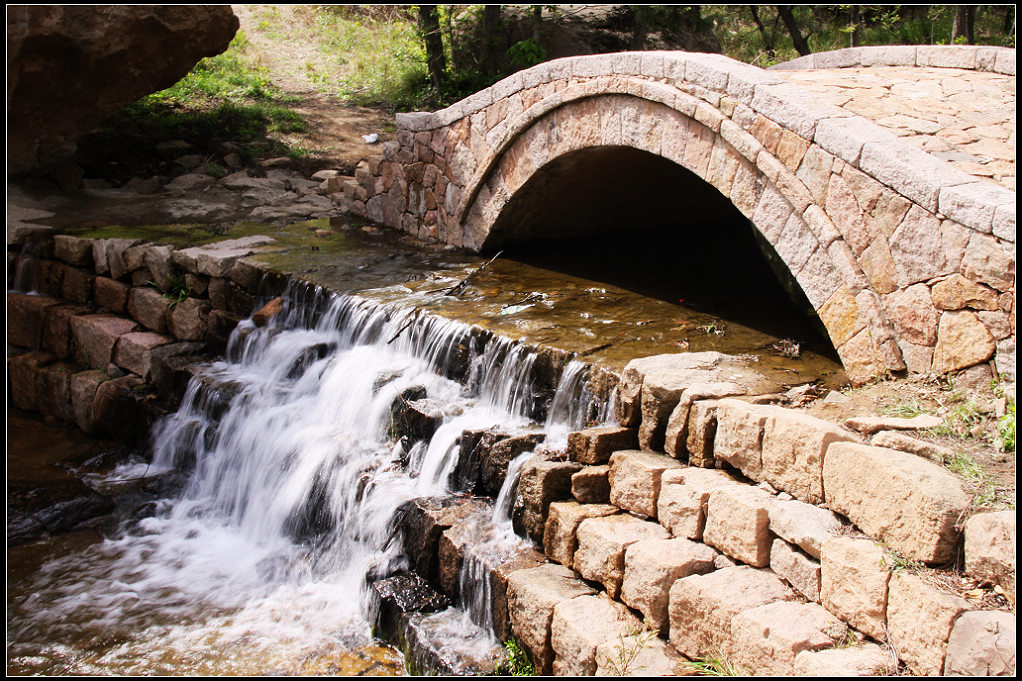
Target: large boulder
{"points": [[69, 67]]}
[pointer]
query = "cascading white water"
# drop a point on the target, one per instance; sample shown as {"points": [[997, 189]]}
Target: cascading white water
{"points": [[260, 563]]}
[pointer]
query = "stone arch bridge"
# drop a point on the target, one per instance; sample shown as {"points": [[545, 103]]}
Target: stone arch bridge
{"points": [[875, 174]]}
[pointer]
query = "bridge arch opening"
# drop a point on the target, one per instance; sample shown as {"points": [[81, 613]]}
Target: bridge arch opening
{"points": [[641, 222]]}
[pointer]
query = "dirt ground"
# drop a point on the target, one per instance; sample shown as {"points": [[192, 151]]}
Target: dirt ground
{"points": [[334, 138]]}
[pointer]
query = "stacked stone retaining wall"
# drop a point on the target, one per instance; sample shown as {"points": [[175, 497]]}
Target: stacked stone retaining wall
{"points": [[111, 328], [773, 541]]}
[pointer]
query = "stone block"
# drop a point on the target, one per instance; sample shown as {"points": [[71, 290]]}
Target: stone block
{"points": [[453, 547], [188, 319], [532, 595], [83, 386], [676, 435], [115, 256], [913, 314], [149, 308], [134, 351], [702, 608], [593, 446], [422, 522], [651, 386], [962, 341], [684, 494], [853, 583], [794, 445], [796, 568], [702, 429], [111, 294], [864, 483], [524, 559], [910, 171], [117, 407], [652, 566], [57, 329], [22, 374], [768, 638], [76, 284], [73, 250], [601, 547], [894, 440], [95, 337], [26, 318], [739, 435], [540, 483], [591, 485], [217, 259], [635, 480], [867, 659], [804, 525], [639, 655], [53, 392], [563, 518], [990, 548], [873, 424], [919, 621], [157, 260], [981, 644], [738, 523], [582, 624]]}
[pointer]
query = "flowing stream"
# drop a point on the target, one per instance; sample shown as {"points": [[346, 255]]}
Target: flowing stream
{"points": [[258, 565]]}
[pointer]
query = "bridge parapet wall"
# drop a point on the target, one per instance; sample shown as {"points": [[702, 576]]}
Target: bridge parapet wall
{"points": [[909, 261], [973, 57]]}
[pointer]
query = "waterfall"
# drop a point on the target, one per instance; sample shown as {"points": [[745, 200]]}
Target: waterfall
{"points": [[292, 487]]}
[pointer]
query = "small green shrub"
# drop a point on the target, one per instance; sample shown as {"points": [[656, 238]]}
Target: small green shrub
{"points": [[517, 662]]}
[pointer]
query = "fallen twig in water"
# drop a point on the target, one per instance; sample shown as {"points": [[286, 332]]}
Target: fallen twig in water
{"points": [[459, 288], [411, 318]]}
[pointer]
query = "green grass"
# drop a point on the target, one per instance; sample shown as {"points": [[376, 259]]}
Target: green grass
{"points": [[517, 662], [962, 420], [372, 55], [224, 97], [907, 409], [714, 665]]}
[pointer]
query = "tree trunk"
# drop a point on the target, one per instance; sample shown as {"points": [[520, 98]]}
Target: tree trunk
{"points": [[958, 25], [641, 16], [768, 40], [429, 25], [796, 36], [856, 31], [491, 27]]}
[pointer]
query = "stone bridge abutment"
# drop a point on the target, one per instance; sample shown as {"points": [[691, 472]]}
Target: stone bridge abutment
{"points": [[908, 261]]}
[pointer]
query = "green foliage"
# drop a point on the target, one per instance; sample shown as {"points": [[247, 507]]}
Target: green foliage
{"points": [[517, 662], [829, 27], [714, 665], [176, 293], [526, 53], [1004, 440], [895, 562], [223, 96]]}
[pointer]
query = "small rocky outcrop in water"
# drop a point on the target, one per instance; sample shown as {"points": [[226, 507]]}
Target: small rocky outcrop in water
{"points": [[69, 67]]}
